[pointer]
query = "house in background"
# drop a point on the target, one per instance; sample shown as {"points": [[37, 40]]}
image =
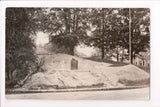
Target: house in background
{"points": [[142, 60]]}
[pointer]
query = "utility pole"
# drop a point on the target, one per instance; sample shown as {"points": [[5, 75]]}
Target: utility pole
{"points": [[130, 20]]}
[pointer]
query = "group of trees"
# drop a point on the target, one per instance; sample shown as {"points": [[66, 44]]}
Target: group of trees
{"points": [[104, 28], [112, 29], [21, 25], [67, 26], [109, 28]]}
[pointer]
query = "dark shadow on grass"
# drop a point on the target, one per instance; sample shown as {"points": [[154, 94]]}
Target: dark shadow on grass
{"points": [[118, 64], [146, 69], [113, 63]]}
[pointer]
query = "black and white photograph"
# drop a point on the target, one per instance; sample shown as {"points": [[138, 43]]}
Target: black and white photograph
{"points": [[77, 53]]}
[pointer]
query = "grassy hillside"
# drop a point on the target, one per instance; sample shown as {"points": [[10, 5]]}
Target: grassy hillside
{"points": [[89, 74]]}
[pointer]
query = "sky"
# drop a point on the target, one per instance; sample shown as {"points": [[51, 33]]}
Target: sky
{"points": [[41, 39], [88, 51]]}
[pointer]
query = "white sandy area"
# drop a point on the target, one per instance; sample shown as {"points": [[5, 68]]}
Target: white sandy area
{"points": [[89, 72]]}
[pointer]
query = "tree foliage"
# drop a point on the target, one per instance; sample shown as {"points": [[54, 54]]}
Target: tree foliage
{"points": [[67, 26], [108, 27], [111, 29], [140, 30], [20, 47]]}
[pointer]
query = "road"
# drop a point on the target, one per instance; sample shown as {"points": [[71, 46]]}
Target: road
{"points": [[128, 94]]}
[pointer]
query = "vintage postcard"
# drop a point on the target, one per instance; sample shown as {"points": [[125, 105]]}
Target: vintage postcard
{"points": [[77, 52], [92, 53]]}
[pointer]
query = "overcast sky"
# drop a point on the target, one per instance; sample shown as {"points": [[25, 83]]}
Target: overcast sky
{"points": [[41, 38]]}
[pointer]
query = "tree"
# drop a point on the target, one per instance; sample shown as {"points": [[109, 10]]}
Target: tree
{"points": [[140, 33], [67, 26], [98, 21], [20, 48], [111, 29], [109, 26], [107, 29], [140, 22]]}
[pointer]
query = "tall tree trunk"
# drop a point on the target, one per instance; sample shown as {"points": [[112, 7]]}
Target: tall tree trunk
{"points": [[117, 57], [122, 55], [130, 39], [132, 57], [69, 20], [103, 32], [66, 23], [72, 50], [76, 22], [102, 51]]}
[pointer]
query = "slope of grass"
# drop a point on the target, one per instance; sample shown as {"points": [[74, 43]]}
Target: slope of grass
{"points": [[89, 74]]}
